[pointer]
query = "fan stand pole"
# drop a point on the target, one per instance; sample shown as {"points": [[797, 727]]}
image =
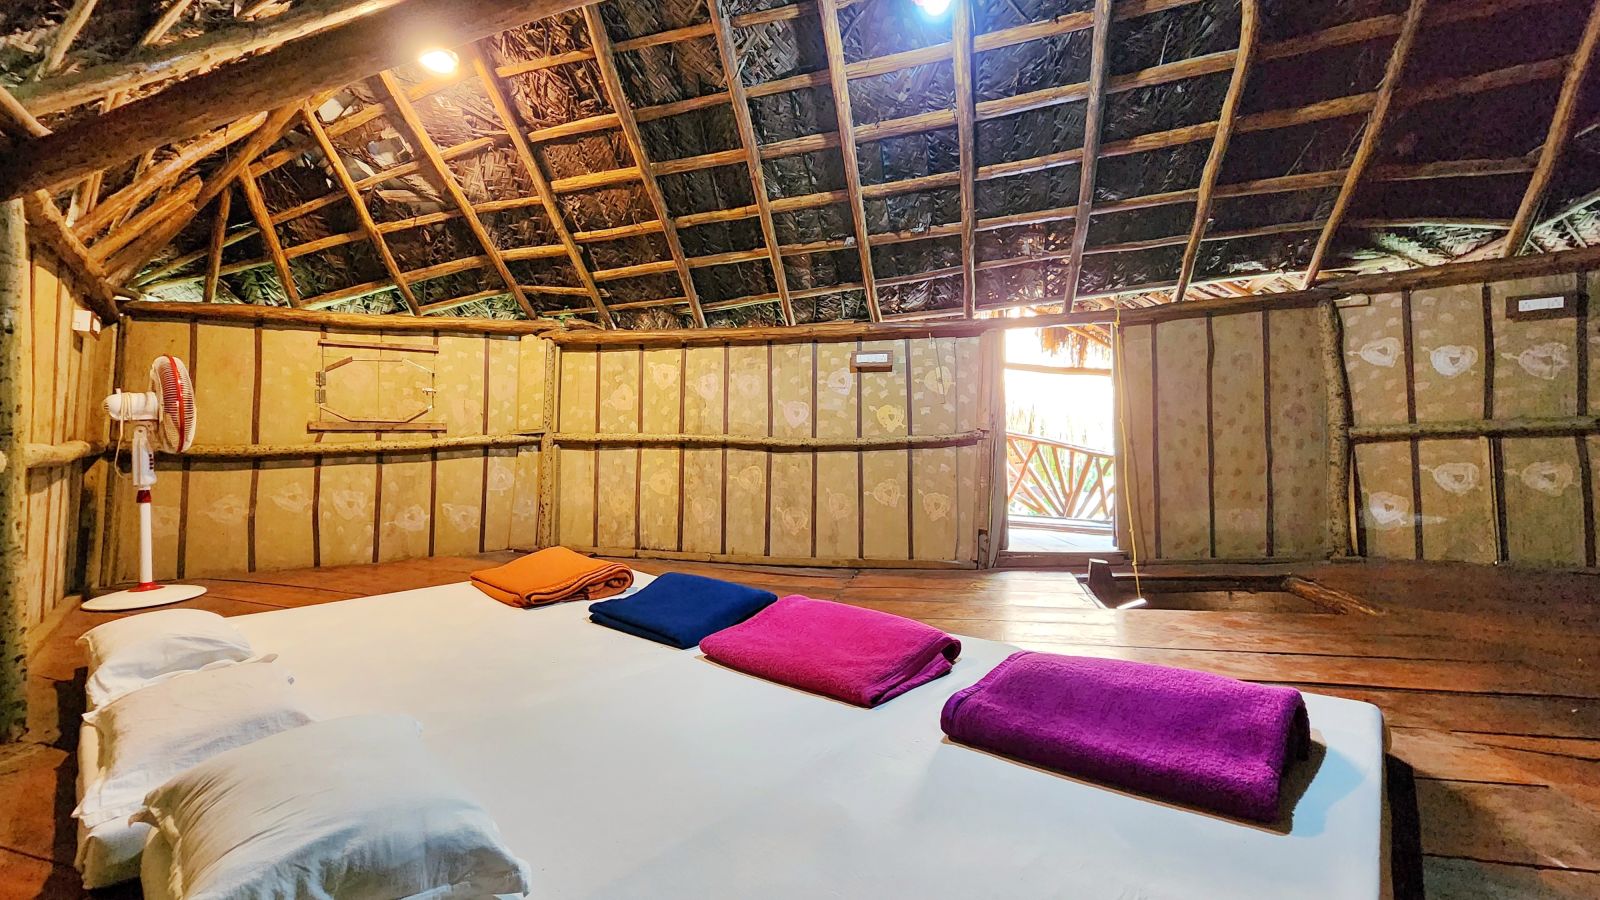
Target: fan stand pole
{"points": [[147, 592]]}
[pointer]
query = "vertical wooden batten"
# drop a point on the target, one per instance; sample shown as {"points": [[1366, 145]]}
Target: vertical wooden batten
{"points": [[961, 29]]}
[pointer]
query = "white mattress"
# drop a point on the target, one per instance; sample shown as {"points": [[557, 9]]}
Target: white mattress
{"points": [[622, 768]]}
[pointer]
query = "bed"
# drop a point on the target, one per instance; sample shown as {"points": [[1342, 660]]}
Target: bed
{"points": [[622, 768]]}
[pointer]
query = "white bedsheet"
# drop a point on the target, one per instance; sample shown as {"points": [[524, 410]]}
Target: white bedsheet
{"points": [[620, 768]]}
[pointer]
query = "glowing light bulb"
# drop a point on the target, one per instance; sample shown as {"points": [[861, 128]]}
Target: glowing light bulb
{"points": [[933, 7], [441, 61]]}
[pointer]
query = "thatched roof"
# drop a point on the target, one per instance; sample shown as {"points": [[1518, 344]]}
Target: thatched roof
{"points": [[645, 207]]}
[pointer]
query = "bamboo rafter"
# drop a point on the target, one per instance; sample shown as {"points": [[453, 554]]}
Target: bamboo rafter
{"points": [[422, 142], [1089, 153], [1370, 137], [1249, 14], [833, 41], [750, 149], [605, 59], [541, 184]]}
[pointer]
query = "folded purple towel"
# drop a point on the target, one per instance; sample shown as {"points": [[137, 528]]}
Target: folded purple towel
{"points": [[857, 655], [1195, 738]]}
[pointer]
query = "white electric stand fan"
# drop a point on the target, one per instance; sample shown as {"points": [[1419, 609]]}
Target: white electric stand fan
{"points": [[165, 413]]}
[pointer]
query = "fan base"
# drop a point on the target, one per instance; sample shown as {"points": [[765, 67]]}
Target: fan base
{"points": [[119, 601]]}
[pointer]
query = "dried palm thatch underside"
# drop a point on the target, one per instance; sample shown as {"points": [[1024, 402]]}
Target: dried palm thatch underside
{"points": [[865, 160]]}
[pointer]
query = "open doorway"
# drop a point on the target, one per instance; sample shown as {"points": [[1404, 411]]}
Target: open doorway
{"points": [[1060, 468]]}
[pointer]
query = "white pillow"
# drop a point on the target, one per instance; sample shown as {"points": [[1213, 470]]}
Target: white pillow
{"points": [[125, 654], [353, 808], [149, 735]]}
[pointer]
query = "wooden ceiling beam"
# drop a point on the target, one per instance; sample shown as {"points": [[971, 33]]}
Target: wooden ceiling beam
{"points": [[269, 236], [67, 32], [423, 144], [369, 227], [1559, 134], [732, 73], [962, 26], [1248, 28], [326, 60], [48, 228], [605, 60], [541, 184], [833, 42], [1370, 137], [215, 246], [1099, 64], [128, 199]]}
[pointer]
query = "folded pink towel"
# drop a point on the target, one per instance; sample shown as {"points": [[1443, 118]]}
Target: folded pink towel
{"points": [[857, 655]]}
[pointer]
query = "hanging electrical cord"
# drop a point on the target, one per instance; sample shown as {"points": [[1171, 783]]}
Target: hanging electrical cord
{"points": [[1129, 466]]}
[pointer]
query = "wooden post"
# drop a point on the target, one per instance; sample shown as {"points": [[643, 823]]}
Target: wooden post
{"points": [[604, 57], [1099, 62], [839, 81], [1219, 147], [1330, 329], [15, 393]]}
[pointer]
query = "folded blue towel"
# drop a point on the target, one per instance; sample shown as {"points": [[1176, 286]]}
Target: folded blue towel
{"points": [[679, 610]]}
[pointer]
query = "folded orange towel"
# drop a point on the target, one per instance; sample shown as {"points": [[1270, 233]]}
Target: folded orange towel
{"points": [[551, 576]]}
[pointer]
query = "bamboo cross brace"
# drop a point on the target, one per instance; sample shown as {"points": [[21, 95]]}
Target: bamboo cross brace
{"points": [[961, 28], [1099, 62], [336, 165], [733, 75], [1249, 14], [269, 235], [605, 61], [541, 184], [1561, 127], [1368, 148], [423, 144]]}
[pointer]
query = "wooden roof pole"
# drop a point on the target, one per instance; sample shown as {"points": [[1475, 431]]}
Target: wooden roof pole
{"points": [[66, 33], [833, 40], [733, 75], [1561, 126], [1368, 148], [961, 28], [47, 226], [605, 61], [423, 144], [219, 237], [269, 235], [149, 245], [326, 60], [363, 214], [17, 117], [1249, 14], [1099, 62], [541, 184]]}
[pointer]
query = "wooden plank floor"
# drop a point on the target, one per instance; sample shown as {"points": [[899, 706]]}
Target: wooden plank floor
{"points": [[1487, 677]]}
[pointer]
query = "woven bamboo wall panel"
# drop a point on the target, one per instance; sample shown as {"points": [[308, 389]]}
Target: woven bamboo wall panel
{"points": [[1505, 496], [255, 387], [70, 373], [1223, 437], [923, 504]]}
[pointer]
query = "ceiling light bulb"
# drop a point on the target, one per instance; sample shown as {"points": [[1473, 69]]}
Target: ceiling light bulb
{"points": [[439, 61], [933, 7]]}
